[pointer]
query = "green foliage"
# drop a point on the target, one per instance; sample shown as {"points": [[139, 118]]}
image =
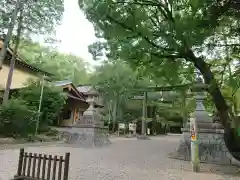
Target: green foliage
{"points": [[62, 66], [40, 17], [115, 80], [52, 101], [16, 119], [168, 39]]}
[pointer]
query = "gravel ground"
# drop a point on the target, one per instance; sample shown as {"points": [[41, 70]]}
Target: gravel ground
{"points": [[124, 159]]}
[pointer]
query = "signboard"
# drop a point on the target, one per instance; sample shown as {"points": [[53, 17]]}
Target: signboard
{"points": [[193, 135], [138, 97], [192, 130], [132, 126], [121, 126], [148, 131]]}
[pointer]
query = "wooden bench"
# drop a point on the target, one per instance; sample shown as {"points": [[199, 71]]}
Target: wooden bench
{"points": [[33, 166]]}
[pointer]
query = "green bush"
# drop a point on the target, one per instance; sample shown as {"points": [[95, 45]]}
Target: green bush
{"points": [[16, 119], [53, 100]]}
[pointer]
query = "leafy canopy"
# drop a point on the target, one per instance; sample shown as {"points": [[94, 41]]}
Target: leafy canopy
{"points": [[40, 17], [170, 34], [115, 80], [62, 66], [151, 32]]}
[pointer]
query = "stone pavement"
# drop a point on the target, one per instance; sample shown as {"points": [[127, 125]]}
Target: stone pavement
{"points": [[124, 159]]}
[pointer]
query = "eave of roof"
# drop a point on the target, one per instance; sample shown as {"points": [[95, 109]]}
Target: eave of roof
{"points": [[76, 98], [87, 89], [22, 62], [68, 82]]}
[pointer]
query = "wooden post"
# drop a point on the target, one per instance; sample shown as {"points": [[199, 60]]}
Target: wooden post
{"points": [[40, 105], [66, 166], [20, 162]]}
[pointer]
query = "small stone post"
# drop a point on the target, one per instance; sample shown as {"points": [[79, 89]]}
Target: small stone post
{"points": [[199, 89], [144, 114], [194, 145]]}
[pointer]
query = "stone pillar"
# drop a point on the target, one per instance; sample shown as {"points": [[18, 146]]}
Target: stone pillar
{"points": [[143, 135], [212, 148]]}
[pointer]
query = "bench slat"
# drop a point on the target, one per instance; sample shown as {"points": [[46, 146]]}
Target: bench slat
{"points": [[60, 168], [39, 166], [49, 168], [44, 166], [34, 164], [54, 167], [29, 167], [24, 164]]}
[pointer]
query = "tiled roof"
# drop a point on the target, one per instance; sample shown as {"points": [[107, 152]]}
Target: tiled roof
{"points": [[63, 83], [69, 82], [87, 89]]}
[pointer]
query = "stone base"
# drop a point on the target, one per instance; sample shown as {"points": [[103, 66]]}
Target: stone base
{"points": [[143, 137], [212, 149], [86, 136]]}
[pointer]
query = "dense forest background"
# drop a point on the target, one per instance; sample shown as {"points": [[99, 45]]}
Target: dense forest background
{"points": [[153, 45]]}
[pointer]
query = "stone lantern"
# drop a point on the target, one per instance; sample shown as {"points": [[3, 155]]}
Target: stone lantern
{"points": [[89, 130], [211, 145]]}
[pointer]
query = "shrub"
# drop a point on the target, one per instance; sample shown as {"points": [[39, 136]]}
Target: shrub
{"points": [[16, 119], [52, 101]]}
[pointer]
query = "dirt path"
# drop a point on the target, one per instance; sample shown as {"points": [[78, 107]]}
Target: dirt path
{"points": [[124, 159]]}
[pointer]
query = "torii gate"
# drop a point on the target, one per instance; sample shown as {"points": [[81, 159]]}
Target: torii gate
{"points": [[144, 97]]}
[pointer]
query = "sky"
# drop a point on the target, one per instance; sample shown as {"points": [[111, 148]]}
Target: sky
{"points": [[76, 32]]}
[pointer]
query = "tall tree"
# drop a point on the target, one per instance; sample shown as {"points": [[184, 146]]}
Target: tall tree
{"points": [[40, 18], [14, 56], [116, 82], [154, 33], [10, 28]]}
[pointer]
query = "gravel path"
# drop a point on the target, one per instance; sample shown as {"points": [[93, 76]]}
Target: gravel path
{"points": [[124, 159]]}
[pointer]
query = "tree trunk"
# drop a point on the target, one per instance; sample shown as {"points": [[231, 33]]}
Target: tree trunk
{"points": [[233, 91], [115, 103], [217, 97], [3, 51], [184, 112], [14, 56]]}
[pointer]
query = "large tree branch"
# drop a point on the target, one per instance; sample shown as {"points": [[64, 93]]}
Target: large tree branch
{"points": [[137, 2], [163, 8], [133, 30], [215, 12], [222, 45]]}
